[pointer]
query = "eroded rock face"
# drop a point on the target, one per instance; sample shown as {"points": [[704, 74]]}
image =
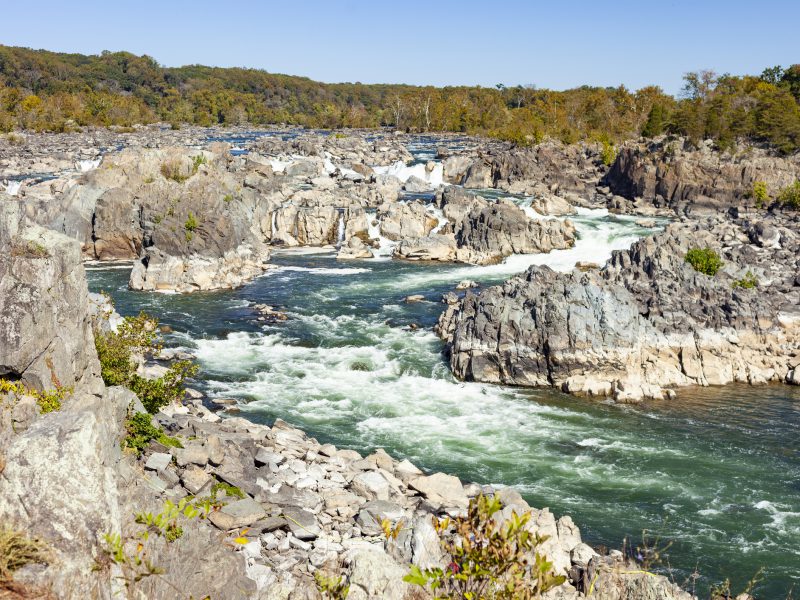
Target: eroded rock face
{"points": [[480, 231], [45, 324], [671, 174], [647, 321]]}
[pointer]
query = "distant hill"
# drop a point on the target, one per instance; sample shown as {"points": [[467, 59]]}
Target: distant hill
{"points": [[44, 90]]}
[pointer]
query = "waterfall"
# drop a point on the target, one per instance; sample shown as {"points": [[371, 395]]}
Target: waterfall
{"points": [[12, 187], [340, 233], [274, 225]]}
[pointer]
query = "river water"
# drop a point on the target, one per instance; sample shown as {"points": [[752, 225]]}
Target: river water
{"points": [[715, 471]]}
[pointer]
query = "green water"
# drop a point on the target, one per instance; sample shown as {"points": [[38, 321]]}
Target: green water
{"points": [[716, 471]]}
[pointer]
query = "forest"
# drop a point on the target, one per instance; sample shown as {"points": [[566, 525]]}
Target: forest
{"points": [[49, 91]]}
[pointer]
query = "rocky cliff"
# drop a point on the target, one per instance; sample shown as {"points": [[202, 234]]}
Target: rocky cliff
{"points": [[670, 173], [647, 322]]}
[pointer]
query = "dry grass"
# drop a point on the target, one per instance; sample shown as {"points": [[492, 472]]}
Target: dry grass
{"points": [[16, 551]]}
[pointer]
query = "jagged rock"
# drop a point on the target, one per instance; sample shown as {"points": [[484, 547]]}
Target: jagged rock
{"points": [[45, 321], [354, 249], [672, 175], [645, 321]]}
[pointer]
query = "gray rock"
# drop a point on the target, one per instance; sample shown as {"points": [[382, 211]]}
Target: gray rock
{"points": [[371, 485], [302, 523], [441, 488], [195, 479], [158, 461], [237, 514]]}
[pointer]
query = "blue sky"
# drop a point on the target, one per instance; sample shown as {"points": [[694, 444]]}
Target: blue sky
{"points": [[551, 44]]}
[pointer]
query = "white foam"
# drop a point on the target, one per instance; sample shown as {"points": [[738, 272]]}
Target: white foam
{"points": [[324, 270], [87, 165], [403, 172], [12, 187]]}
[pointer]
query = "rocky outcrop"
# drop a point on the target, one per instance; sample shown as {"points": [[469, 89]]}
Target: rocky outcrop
{"points": [[671, 173], [550, 166], [45, 326], [646, 322], [479, 231]]}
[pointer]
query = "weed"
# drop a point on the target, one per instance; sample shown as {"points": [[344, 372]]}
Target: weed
{"points": [[749, 281], [48, 400], [331, 587], [140, 431], [28, 249]]}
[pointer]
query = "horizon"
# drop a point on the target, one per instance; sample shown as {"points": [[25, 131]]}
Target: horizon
{"points": [[330, 33]]}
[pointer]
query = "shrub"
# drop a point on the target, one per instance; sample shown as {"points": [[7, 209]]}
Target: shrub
{"points": [[48, 400], [231, 491], [759, 193], [191, 223], [790, 196], [173, 169], [117, 367], [488, 560], [140, 431], [608, 153], [747, 282], [227, 198], [704, 260]]}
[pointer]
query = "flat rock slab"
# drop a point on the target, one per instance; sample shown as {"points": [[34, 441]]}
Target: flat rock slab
{"points": [[158, 461], [302, 523], [238, 514], [441, 488]]}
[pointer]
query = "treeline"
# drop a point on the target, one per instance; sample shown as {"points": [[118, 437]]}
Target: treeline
{"points": [[42, 90]]}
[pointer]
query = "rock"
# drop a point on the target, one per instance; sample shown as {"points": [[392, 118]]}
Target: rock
{"points": [[374, 574], [441, 488], [549, 204], [582, 554], [670, 174], [266, 457], [302, 523], [371, 485], [43, 285], [354, 249], [158, 461], [606, 333], [413, 298], [467, 284], [237, 514], [195, 479], [374, 512], [415, 185], [191, 453]]}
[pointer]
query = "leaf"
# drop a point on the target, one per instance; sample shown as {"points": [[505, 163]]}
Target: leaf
{"points": [[241, 540]]}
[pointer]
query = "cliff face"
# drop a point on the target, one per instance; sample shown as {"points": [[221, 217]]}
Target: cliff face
{"points": [[646, 321], [674, 176]]}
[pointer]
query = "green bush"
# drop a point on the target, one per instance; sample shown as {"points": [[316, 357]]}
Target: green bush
{"points": [[48, 400], [140, 431], [487, 560], [609, 153], [747, 282], [759, 193], [704, 260], [790, 196], [117, 367]]}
